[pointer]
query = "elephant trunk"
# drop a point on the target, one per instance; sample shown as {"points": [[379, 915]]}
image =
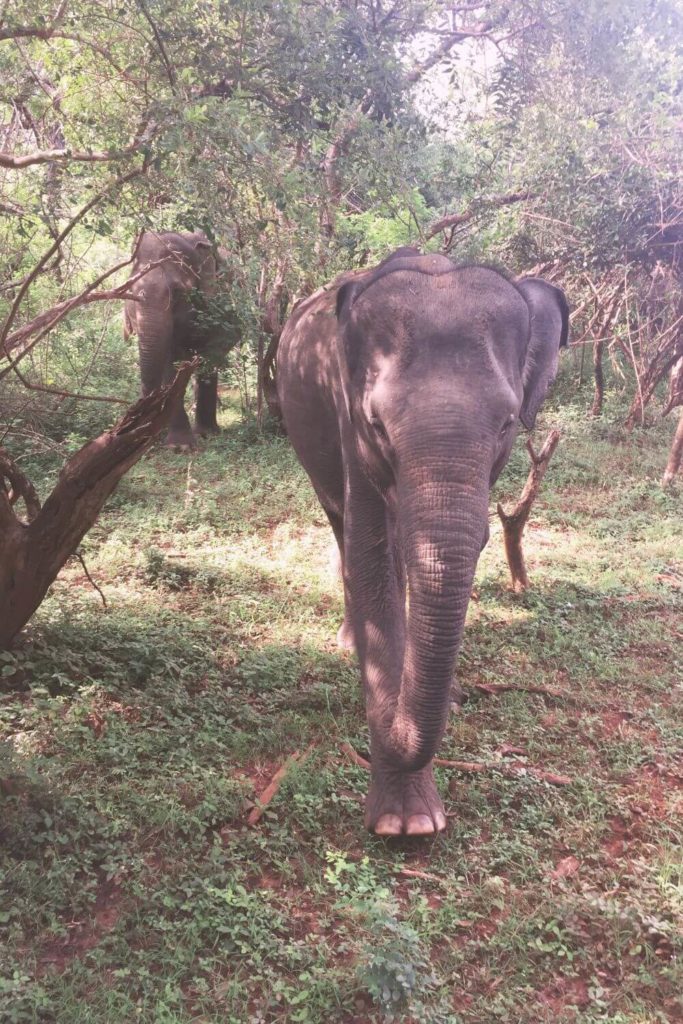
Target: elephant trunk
{"points": [[443, 521], [155, 333]]}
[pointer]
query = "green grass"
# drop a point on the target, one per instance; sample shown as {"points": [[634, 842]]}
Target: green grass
{"points": [[139, 737]]}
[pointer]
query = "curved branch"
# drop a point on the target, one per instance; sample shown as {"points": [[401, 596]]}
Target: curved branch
{"points": [[453, 220], [118, 182]]}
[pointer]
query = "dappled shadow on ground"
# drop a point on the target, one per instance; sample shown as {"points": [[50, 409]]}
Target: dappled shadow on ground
{"points": [[141, 738]]}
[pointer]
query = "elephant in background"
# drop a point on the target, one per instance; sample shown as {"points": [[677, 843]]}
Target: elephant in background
{"points": [[401, 389], [168, 315]]}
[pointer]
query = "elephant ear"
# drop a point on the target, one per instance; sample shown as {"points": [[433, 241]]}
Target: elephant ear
{"points": [[549, 317], [345, 299]]}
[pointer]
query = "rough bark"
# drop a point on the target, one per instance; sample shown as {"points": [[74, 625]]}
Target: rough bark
{"points": [[673, 466], [598, 373], [270, 303], [33, 552], [515, 521]]}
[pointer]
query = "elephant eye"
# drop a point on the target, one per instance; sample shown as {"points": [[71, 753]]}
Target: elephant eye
{"points": [[378, 427], [506, 426]]}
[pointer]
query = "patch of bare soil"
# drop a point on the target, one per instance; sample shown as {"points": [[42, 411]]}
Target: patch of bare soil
{"points": [[84, 935], [564, 996]]}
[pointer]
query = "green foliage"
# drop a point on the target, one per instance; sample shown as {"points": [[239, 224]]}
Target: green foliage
{"points": [[136, 740]]}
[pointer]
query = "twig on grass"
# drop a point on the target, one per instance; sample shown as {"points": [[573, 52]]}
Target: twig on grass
{"points": [[79, 556], [273, 786], [424, 875], [347, 749]]}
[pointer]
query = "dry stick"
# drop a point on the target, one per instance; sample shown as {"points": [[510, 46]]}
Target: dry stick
{"points": [[89, 578], [515, 521], [425, 875], [271, 789]]}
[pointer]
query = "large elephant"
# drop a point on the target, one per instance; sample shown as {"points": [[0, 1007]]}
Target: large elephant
{"points": [[400, 390], [167, 316]]}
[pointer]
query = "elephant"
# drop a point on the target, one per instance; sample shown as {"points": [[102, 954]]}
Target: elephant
{"points": [[400, 389], [165, 313]]}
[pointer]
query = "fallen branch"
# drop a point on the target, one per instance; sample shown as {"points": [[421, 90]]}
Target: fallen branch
{"points": [[89, 578], [273, 786], [515, 521]]}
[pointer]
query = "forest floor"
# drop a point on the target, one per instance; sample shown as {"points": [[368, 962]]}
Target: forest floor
{"points": [[142, 735]]}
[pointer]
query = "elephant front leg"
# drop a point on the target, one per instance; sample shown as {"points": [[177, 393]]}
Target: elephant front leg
{"points": [[401, 800], [206, 404], [180, 433]]}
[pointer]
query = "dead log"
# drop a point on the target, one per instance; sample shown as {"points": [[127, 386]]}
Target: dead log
{"points": [[515, 521], [32, 552]]}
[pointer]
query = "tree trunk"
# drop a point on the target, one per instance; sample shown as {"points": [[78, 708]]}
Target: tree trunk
{"points": [[515, 521], [32, 553], [673, 466], [599, 394]]}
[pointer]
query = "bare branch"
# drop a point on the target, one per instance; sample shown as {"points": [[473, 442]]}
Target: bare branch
{"points": [[48, 320], [46, 156], [477, 209], [15, 485], [515, 521], [76, 219], [446, 45]]}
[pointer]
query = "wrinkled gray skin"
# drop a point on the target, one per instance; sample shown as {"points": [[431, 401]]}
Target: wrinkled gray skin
{"points": [[163, 318], [403, 409]]}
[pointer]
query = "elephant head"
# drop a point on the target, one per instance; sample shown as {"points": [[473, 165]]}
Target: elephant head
{"points": [[438, 362]]}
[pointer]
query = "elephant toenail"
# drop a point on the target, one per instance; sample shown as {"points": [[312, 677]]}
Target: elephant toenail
{"points": [[388, 825], [419, 825]]}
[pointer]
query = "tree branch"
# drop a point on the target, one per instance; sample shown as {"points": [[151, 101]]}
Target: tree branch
{"points": [[446, 45], [479, 208], [14, 484], [515, 521], [48, 320], [31, 555], [76, 219]]}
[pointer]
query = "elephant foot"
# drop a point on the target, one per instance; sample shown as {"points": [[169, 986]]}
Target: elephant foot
{"points": [[207, 431], [404, 803], [345, 638], [181, 440]]}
